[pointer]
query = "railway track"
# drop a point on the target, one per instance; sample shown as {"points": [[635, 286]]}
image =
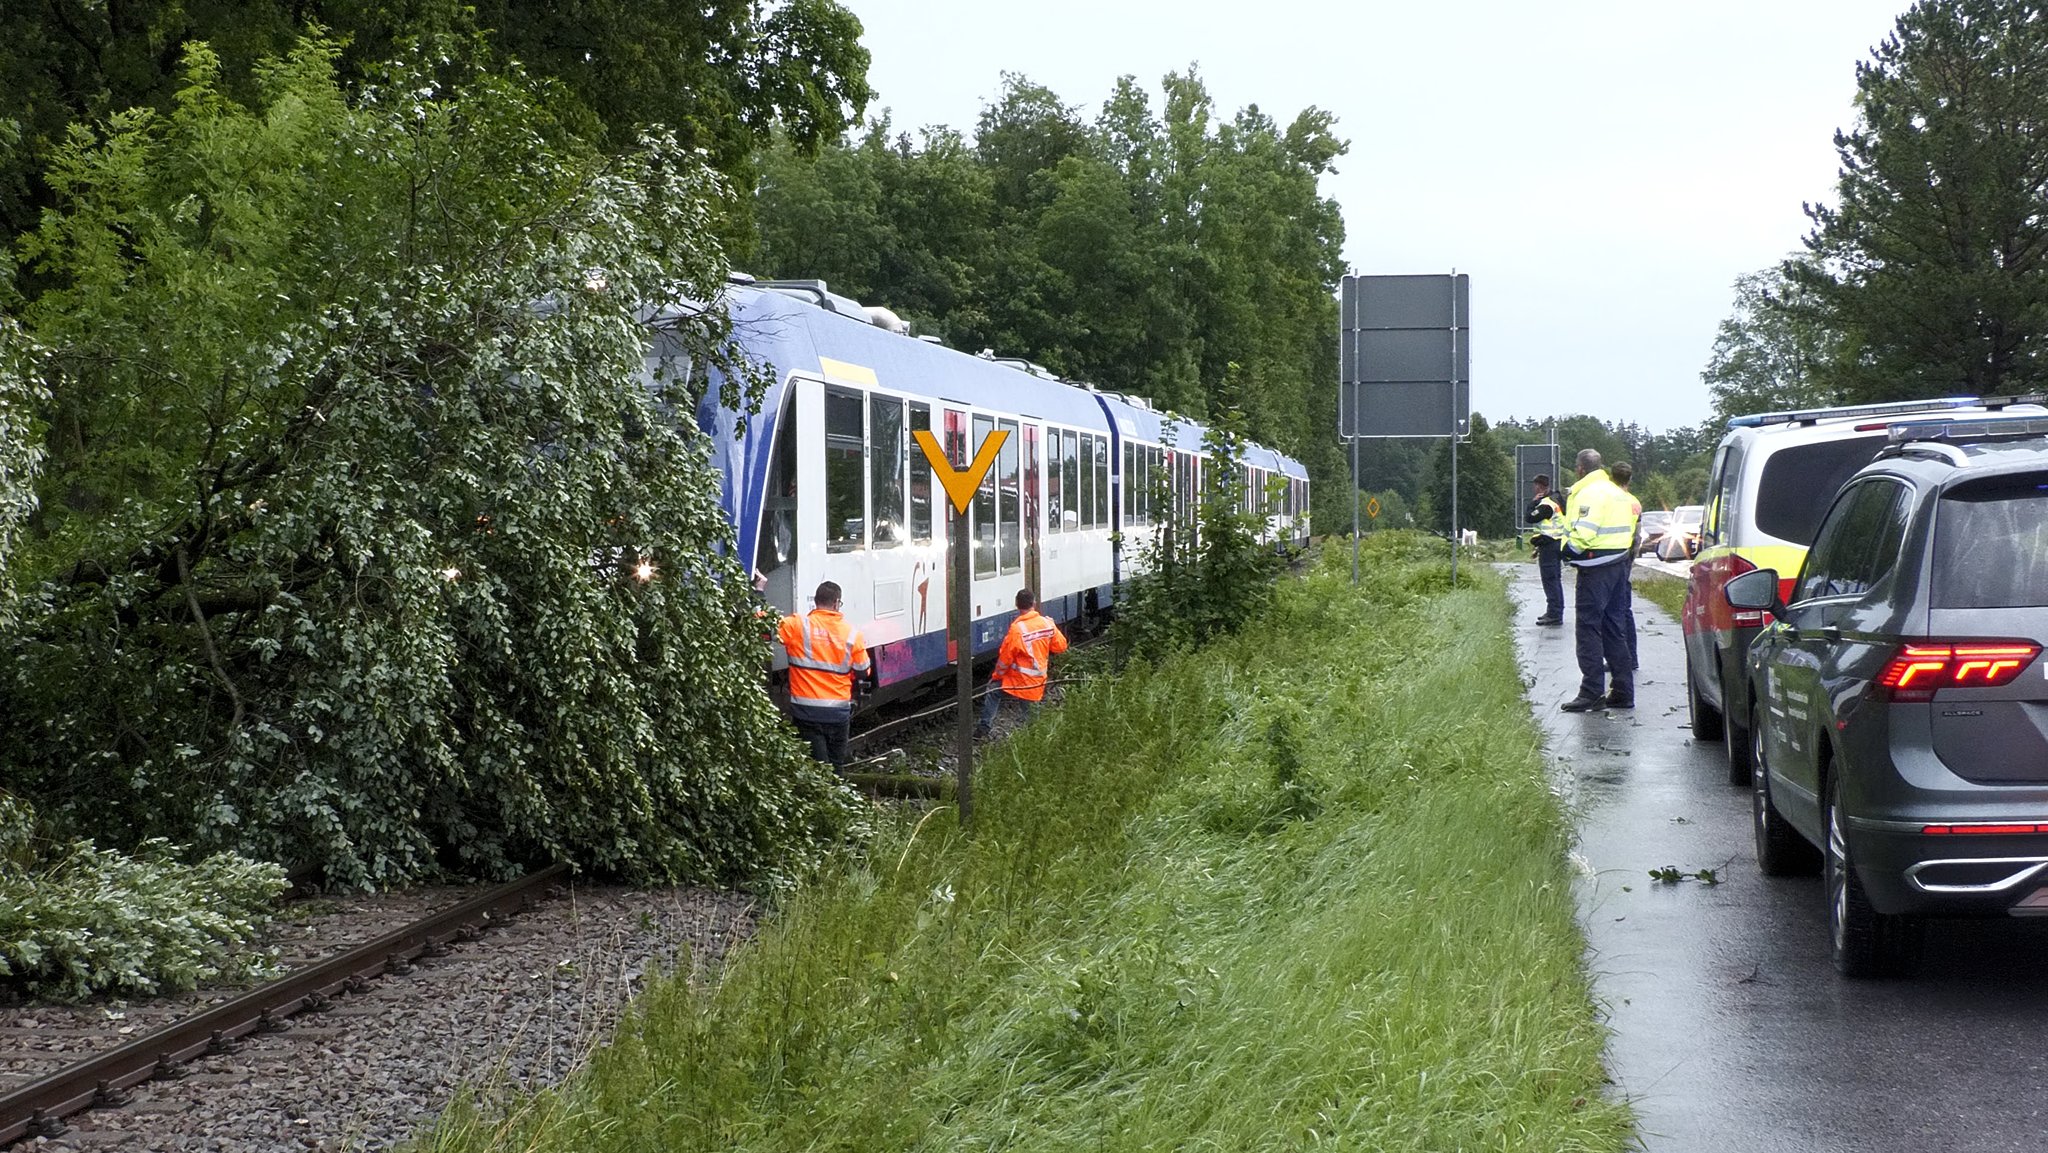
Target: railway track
{"points": [[39, 1109], [932, 714]]}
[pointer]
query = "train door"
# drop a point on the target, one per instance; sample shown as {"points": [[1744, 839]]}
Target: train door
{"points": [[1032, 505], [954, 439], [775, 552]]}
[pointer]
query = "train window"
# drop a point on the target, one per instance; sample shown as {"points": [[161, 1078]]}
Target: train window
{"points": [[1101, 480], [885, 469], [1055, 480], [1009, 494], [920, 478], [1149, 490], [846, 512], [1125, 477], [984, 507], [1070, 476], [1084, 508]]}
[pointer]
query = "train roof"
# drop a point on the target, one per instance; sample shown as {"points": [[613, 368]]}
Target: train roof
{"points": [[796, 335]]}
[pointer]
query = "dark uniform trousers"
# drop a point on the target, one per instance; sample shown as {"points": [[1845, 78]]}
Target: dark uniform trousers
{"points": [[825, 729], [1550, 566], [1603, 607]]}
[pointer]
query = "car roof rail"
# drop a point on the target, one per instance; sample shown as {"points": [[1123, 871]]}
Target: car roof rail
{"points": [[1810, 415]]}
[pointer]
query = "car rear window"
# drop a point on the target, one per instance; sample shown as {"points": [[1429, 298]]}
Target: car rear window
{"points": [[1800, 482], [1991, 544]]}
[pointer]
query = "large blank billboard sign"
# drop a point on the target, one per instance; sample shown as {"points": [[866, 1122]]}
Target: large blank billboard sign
{"points": [[1405, 363]]}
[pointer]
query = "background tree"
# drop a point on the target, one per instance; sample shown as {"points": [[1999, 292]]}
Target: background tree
{"points": [[1772, 352], [1170, 254], [718, 74], [1932, 268], [366, 539], [1487, 500]]}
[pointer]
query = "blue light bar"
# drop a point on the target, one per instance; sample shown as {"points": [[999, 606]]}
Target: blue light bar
{"points": [[1806, 415]]}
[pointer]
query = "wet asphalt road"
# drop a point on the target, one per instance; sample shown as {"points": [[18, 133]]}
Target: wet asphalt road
{"points": [[1731, 1032]]}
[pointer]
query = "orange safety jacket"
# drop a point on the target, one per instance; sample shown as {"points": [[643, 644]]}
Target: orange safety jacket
{"points": [[1021, 662], [824, 655]]}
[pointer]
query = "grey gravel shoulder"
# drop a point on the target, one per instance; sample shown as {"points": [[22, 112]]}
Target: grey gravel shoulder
{"points": [[517, 1010]]}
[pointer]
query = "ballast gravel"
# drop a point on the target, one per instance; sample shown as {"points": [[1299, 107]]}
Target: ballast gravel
{"points": [[512, 1012]]}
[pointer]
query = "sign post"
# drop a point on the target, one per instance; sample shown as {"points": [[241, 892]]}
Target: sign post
{"points": [[960, 485]]}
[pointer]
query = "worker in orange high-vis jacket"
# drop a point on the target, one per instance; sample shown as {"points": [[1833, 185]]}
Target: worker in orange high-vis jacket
{"points": [[1023, 661], [825, 656]]}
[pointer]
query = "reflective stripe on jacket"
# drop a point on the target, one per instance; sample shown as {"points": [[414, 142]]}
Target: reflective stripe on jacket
{"points": [[824, 655], [1603, 520], [1552, 522], [1022, 662]]}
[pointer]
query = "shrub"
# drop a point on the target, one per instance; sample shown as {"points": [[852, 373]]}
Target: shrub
{"points": [[92, 921], [1205, 573], [368, 540]]}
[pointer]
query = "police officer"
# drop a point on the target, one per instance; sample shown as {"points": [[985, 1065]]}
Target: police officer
{"points": [[1023, 661], [1597, 543], [1546, 512], [1621, 474], [825, 655]]}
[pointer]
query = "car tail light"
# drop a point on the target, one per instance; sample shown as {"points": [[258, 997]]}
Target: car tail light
{"points": [[1921, 667], [1982, 830]]}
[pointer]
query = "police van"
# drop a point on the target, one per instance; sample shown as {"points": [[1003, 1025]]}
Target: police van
{"points": [[1771, 480]]}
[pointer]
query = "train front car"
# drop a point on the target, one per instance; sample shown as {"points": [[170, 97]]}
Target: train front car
{"points": [[826, 483]]}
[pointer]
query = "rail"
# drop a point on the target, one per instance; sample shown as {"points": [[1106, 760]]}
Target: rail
{"points": [[38, 1109]]}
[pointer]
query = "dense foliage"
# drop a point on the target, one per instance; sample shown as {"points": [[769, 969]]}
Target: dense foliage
{"points": [[366, 539], [80, 921], [21, 455], [1170, 254], [1928, 273], [716, 74], [1205, 573]]}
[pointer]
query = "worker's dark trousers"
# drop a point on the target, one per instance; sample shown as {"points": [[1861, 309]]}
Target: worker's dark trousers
{"points": [[825, 729], [1628, 599], [1603, 610], [1550, 566], [996, 700]]}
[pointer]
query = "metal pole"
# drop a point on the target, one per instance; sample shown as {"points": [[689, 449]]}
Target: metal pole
{"points": [[1454, 428], [1354, 512], [960, 624]]}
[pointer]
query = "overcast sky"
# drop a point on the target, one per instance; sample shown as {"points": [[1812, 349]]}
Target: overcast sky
{"points": [[1603, 170]]}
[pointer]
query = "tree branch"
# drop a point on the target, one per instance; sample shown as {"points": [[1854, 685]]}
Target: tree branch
{"points": [[206, 637]]}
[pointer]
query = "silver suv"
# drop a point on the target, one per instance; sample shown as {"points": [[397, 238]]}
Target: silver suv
{"points": [[1898, 713]]}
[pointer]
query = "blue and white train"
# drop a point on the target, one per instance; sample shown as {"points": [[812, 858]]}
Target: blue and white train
{"points": [[825, 482]]}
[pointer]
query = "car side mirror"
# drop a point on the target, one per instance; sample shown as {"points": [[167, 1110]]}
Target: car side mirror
{"points": [[1756, 589]]}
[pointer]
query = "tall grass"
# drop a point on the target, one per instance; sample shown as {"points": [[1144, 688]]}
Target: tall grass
{"points": [[1304, 887]]}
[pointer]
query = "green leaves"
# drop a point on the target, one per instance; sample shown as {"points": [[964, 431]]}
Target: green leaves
{"points": [[357, 455], [1204, 573], [1931, 268], [1173, 254], [91, 922]]}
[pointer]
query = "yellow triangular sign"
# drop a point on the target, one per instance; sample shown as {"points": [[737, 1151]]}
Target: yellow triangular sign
{"points": [[960, 483]]}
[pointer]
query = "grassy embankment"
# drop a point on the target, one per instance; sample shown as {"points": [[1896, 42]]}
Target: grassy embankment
{"points": [[1307, 887], [1665, 591]]}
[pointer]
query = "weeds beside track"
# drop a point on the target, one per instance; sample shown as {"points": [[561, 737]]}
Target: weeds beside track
{"points": [[1306, 886]]}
